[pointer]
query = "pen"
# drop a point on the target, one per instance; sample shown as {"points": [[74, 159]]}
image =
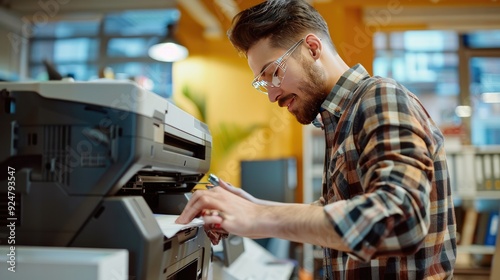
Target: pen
{"points": [[214, 180]]}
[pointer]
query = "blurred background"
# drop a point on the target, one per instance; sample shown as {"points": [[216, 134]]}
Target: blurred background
{"points": [[447, 52]]}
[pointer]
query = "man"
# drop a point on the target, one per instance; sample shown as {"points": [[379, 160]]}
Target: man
{"points": [[386, 210]]}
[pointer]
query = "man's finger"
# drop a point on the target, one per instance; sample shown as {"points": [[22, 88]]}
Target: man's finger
{"points": [[195, 205]]}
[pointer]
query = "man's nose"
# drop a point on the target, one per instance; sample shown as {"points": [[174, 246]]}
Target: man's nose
{"points": [[273, 93]]}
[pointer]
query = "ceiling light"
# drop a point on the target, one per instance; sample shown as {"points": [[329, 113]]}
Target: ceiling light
{"points": [[463, 111], [491, 97], [169, 49]]}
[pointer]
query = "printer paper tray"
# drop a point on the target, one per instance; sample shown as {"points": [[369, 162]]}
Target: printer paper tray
{"points": [[170, 228]]}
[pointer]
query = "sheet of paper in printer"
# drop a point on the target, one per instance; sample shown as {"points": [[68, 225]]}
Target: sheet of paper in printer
{"points": [[170, 228]]}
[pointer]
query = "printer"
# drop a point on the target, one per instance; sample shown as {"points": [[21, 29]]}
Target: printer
{"points": [[94, 162]]}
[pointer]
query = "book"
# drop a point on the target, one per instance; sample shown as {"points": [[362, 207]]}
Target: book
{"points": [[481, 228], [467, 235], [469, 226], [491, 229]]}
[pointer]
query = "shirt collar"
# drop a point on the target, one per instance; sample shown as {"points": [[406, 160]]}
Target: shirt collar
{"points": [[342, 92]]}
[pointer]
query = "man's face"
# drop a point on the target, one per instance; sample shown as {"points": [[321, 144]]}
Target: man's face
{"points": [[301, 88]]}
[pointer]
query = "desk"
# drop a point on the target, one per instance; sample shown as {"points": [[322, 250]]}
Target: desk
{"points": [[255, 263]]}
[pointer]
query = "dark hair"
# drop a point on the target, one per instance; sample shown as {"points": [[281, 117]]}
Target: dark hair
{"points": [[283, 21]]}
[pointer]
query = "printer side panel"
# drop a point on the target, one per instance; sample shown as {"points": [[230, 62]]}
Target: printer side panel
{"points": [[74, 151], [63, 156], [128, 223]]}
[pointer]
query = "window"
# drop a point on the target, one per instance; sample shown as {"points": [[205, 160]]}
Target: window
{"points": [[428, 63], [485, 99], [83, 49]]}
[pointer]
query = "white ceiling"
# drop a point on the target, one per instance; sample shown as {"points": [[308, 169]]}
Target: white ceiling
{"points": [[445, 18], [434, 17]]}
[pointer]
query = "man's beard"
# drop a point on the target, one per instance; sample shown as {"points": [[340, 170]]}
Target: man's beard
{"points": [[313, 96]]}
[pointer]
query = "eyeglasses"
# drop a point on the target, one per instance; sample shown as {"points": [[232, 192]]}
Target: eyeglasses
{"points": [[262, 83]]}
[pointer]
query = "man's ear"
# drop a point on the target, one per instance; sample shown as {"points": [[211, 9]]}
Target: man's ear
{"points": [[315, 45]]}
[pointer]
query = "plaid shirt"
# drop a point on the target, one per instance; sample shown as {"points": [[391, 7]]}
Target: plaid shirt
{"points": [[385, 183]]}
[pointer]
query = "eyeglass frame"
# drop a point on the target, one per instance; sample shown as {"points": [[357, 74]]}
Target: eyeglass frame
{"points": [[280, 63]]}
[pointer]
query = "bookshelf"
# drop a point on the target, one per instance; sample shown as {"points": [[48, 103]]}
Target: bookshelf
{"points": [[476, 249], [313, 157], [475, 182]]}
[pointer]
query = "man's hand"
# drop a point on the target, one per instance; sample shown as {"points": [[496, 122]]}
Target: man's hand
{"points": [[224, 209], [228, 210]]}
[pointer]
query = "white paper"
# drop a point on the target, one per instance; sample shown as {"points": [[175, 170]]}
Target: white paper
{"points": [[170, 228]]}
